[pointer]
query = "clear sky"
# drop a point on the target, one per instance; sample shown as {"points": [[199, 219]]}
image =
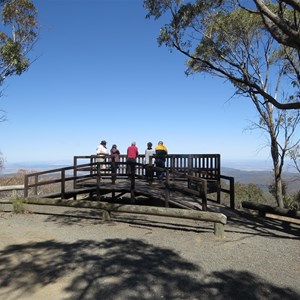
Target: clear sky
{"points": [[100, 74]]}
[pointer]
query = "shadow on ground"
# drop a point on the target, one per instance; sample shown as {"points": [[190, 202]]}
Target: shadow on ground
{"points": [[123, 269], [238, 221], [243, 222]]}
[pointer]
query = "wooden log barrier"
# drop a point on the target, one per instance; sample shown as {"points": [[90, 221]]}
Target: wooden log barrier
{"points": [[262, 208], [12, 188], [218, 219]]}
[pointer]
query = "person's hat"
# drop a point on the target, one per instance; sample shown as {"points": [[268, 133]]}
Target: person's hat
{"points": [[103, 142], [114, 146]]}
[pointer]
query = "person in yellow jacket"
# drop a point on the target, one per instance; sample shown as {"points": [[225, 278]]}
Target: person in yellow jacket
{"points": [[161, 152]]}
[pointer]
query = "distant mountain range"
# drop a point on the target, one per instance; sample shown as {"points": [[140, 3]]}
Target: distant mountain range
{"points": [[259, 174], [263, 178]]}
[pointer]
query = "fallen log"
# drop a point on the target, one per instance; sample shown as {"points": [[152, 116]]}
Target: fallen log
{"points": [[262, 208]]}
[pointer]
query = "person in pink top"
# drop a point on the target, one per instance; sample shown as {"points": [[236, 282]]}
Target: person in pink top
{"points": [[132, 153]]}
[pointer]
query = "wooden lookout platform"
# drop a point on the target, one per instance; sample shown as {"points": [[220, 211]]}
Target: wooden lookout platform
{"points": [[189, 181]]}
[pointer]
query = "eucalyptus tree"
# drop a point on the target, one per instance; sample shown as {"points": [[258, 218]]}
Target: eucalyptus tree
{"points": [[17, 37], [283, 22], [222, 39], [192, 24]]}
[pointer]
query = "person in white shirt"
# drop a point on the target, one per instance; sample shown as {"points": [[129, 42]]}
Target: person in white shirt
{"points": [[102, 152], [149, 152]]}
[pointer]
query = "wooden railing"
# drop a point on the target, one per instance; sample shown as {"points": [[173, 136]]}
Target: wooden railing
{"points": [[208, 165], [202, 166]]}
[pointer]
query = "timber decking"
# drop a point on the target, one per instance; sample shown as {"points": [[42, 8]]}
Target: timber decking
{"points": [[122, 188]]}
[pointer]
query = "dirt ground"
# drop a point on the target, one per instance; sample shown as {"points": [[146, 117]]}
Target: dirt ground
{"points": [[67, 253]]}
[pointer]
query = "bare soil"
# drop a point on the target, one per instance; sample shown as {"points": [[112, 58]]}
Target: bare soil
{"points": [[66, 253]]}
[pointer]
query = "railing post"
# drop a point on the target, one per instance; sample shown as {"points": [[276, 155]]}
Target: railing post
{"points": [[63, 184], [36, 180], [190, 163], [113, 171], [26, 186], [132, 183], [91, 166], [232, 194], [167, 185], [203, 195], [98, 181], [75, 172]]}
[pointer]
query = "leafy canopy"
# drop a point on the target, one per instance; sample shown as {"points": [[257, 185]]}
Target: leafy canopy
{"points": [[17, 37]]}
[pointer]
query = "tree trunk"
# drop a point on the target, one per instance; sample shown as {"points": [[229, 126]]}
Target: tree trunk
{"points": [[277, 172]]}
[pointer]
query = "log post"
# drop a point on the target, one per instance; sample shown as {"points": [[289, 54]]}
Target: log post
{"points": [[219, 230], [106, 216]]}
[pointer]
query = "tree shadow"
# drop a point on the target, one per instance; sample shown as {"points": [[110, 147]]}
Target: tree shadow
{"points": [[243, 222], [94, 217], [238, 221], [123, 269]]}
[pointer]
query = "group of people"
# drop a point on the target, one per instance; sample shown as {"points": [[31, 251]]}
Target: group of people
{"points": [[160, 152]]}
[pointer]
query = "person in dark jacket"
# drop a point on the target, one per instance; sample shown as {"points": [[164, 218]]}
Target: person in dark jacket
{"points": [[115, 158], [161, 152]]}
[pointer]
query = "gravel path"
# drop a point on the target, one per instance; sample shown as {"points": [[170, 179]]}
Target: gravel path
{"points": [[70, 254]]}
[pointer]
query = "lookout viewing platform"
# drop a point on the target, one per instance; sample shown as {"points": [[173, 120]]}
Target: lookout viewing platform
{"points": [[189, 180]]}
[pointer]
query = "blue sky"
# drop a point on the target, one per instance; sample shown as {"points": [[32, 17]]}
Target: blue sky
{"points": [[100, 74]]}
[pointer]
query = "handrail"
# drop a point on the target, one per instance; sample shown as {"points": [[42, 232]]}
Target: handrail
{"points": [[202, 192], [229, 191]]}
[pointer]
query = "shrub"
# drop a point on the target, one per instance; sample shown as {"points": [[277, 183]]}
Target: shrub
{"points": [[18, 206]]}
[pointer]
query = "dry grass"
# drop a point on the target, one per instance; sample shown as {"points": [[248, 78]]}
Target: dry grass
{"points": [[14, 179], [18, 179]]}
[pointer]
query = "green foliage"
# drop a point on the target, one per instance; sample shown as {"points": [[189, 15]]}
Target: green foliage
{"points": [[292, 201], [11, 56], [247, 192], [18, 206], [272, 189], [17, 37]]}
